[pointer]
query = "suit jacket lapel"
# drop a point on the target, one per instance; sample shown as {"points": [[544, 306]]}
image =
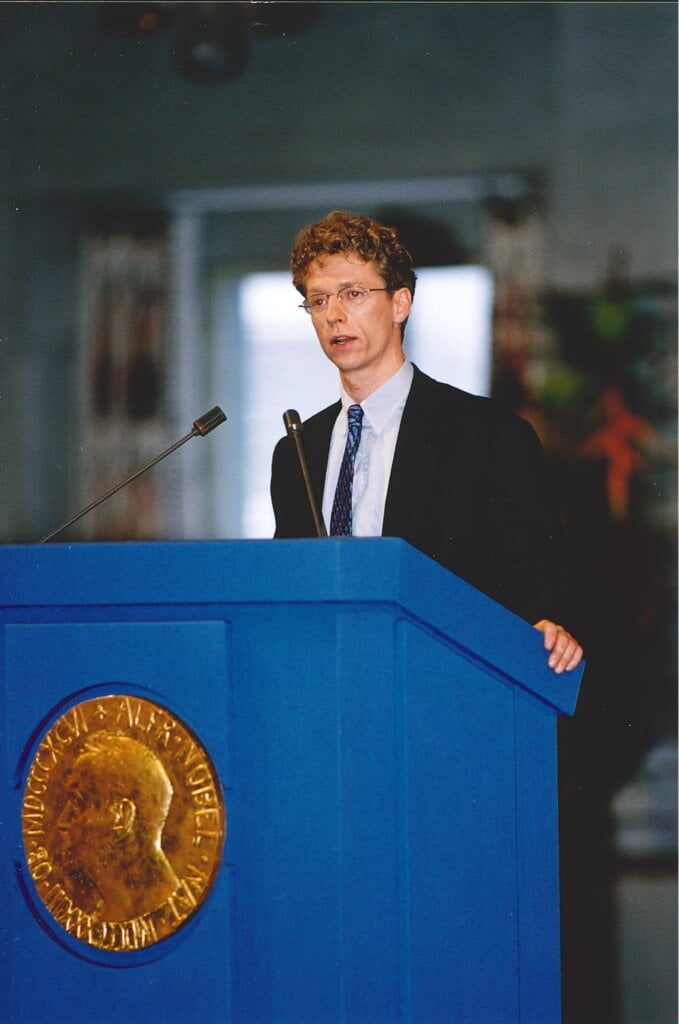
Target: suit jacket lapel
{"points": [[413, 472], [316, 440]]}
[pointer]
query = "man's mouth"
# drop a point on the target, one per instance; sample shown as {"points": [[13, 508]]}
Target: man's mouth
{"points": [[341, 339]]}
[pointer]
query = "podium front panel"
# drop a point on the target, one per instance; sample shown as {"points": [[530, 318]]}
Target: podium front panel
{"points": [[390, 791]]}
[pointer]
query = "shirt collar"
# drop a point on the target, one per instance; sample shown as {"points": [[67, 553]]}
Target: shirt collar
{"points": [[390, 397]]}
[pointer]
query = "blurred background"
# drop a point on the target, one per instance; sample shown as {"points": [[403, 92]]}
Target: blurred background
{"points": [[156, 161]]}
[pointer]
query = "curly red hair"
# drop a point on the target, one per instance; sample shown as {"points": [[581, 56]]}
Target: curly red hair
{"points": [[343, 232]]}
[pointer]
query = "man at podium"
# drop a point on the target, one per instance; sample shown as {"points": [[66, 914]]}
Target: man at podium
{"points": [[401, 455]]}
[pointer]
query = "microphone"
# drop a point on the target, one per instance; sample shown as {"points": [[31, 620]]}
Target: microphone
{"points": [[293, 426], [202, 426]]}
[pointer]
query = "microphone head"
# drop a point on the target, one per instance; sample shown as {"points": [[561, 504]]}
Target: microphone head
{"points": [[208, 421], [293, 424]]}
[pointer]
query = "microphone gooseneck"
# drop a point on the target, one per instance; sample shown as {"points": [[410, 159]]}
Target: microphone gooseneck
{"points": [[293, 426], [202, 426]]}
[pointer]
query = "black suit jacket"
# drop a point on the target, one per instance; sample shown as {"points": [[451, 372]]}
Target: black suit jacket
{"points": [[468, 487]]}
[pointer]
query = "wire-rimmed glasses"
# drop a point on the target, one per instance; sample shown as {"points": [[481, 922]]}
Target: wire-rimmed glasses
{"points": [[351, 296]]}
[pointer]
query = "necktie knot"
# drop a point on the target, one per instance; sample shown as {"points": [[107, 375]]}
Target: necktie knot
{"points": [[355, 417]]}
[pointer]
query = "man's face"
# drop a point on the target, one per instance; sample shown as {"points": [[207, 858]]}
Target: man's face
{"points": [[87, 824], [366, 340]]}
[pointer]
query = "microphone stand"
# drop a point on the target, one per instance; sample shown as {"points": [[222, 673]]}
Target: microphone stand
{"points": [[294, 428], [202, 426]]}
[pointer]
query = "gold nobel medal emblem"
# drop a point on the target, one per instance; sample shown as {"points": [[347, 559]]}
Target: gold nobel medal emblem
{"points": [[123, 822]]}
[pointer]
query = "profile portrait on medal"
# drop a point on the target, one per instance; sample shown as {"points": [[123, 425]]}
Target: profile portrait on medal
{"points": [[118, 796]]}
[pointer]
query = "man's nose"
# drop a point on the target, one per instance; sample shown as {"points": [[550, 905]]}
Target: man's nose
{"points": [[335, 310]]}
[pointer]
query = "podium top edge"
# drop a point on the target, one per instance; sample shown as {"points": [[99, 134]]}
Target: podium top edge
{"points": [[336, 569]]}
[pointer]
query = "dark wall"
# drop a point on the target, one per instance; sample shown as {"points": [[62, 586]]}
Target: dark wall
{"points": [[581, 93]]}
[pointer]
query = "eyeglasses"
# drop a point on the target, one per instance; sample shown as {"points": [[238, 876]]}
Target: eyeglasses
{"points": [[351, 296]]}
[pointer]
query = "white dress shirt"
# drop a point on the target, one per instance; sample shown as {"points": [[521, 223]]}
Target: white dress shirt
{"points": [[382, 412]]}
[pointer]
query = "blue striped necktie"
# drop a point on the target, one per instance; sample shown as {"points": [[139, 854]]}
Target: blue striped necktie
{"points": [[340, 520]]}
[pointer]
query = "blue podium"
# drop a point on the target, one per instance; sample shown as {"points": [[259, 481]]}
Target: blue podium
{"points": [[384, 737]]}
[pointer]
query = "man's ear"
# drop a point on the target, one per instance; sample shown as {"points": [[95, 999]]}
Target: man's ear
{"points": [[402, 302], [124, 813]]}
